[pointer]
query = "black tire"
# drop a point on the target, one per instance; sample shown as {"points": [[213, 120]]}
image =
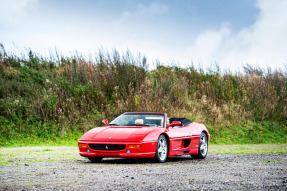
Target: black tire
{"points": [[95, 159], [161, 152], [202, 147]]}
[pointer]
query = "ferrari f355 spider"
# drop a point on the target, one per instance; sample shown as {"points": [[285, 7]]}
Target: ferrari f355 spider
{"points": [[145, 135]]}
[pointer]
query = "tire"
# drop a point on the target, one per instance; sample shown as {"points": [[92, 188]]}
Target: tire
{"points": [[161, 149], [202, 147], [95, 159]]}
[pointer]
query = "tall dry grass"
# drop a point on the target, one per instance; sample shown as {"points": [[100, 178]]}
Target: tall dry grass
{"points": [[73, 90]]}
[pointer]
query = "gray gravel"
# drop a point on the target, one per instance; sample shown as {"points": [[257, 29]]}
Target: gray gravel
{"points": [[216, 172]]}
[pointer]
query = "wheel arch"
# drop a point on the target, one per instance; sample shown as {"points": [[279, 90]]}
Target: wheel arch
{"points": [[204, 130], [167, 137], [207, 135], [199, 155]]}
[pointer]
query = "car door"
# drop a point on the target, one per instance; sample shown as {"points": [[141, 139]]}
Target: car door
{"points": [[178, 136]]}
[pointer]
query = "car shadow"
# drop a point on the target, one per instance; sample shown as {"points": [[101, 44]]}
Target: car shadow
{"points": [[137, 160]]}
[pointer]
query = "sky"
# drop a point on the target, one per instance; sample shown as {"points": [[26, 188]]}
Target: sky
{"points": [[206, 33]]}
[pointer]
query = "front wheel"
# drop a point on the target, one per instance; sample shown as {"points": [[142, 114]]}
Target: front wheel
{"points": [[161, 149], [202, 147], [95, 159]]}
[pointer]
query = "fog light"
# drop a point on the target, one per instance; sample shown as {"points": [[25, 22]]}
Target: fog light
{"points": [[87, 150], [128, 151]]}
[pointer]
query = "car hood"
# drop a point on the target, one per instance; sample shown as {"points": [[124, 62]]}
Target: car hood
{"points": [[112, 133]]}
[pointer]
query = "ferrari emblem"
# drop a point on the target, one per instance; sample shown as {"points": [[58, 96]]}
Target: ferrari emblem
{"points": [[107, 147]]}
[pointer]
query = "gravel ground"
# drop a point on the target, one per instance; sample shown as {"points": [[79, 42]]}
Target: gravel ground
{"points": [[216, 172]]}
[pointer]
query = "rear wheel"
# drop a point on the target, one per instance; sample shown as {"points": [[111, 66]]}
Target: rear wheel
{"points": [[95, 159], [202, 147], [161, 149]]}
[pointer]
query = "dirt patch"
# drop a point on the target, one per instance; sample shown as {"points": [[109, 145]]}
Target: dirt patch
{"points": [[216, 172]]}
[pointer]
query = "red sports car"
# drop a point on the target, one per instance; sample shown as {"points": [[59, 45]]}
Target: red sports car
{"points": [[143, 135]]}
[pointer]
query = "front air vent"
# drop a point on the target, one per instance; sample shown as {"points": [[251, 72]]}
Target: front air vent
{"points": [[186, 142], [107, 147]]}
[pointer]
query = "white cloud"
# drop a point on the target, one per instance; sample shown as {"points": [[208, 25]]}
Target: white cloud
{"points": [[154, 8], [150, 10], [263, 44], [35, 25], [208, 46], [12, 10]]}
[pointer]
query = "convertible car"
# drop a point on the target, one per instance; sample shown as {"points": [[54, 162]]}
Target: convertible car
{"points": [[145, 135]]}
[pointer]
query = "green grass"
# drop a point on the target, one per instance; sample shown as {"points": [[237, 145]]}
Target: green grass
{"points": [[244, 132], [23, 140], [247, 132], [47, 150], [271, 160]]}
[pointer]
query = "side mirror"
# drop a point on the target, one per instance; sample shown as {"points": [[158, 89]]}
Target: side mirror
{"points": [[174, 123], [105, 122]]}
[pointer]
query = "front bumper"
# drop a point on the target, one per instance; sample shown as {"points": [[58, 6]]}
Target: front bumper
{"points": [[147, 150]]}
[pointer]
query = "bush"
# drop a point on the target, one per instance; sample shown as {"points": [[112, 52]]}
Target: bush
{"points": [[46, 98]]}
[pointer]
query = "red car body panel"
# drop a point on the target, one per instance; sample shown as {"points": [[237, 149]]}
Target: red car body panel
{"points": [[182, 140]]}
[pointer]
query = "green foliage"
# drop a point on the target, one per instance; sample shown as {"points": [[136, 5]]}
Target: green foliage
{"points": [[247, 132], [46, 100]]}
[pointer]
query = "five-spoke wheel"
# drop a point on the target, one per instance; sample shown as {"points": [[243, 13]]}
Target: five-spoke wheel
{"points": [[162, 149]]}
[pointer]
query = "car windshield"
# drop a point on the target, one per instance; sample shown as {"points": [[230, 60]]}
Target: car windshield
{"points": [[139, 119]]}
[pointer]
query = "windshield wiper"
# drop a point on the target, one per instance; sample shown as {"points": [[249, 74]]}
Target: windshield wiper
{"points": [[114, 124]]}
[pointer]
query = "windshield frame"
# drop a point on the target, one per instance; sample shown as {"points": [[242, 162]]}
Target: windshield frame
{"points": [[144, 113]]}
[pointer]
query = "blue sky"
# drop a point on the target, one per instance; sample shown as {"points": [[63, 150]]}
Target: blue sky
{"points": [[229, 33]]}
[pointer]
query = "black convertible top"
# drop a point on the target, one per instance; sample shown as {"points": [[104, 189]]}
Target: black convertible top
{"points": [[183, 121]]}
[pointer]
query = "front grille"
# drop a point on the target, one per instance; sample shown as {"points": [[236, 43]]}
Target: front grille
{"points": [[107, 147]]}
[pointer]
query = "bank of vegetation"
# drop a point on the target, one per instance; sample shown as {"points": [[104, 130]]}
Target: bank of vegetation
{"points": [[54, 100]]}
